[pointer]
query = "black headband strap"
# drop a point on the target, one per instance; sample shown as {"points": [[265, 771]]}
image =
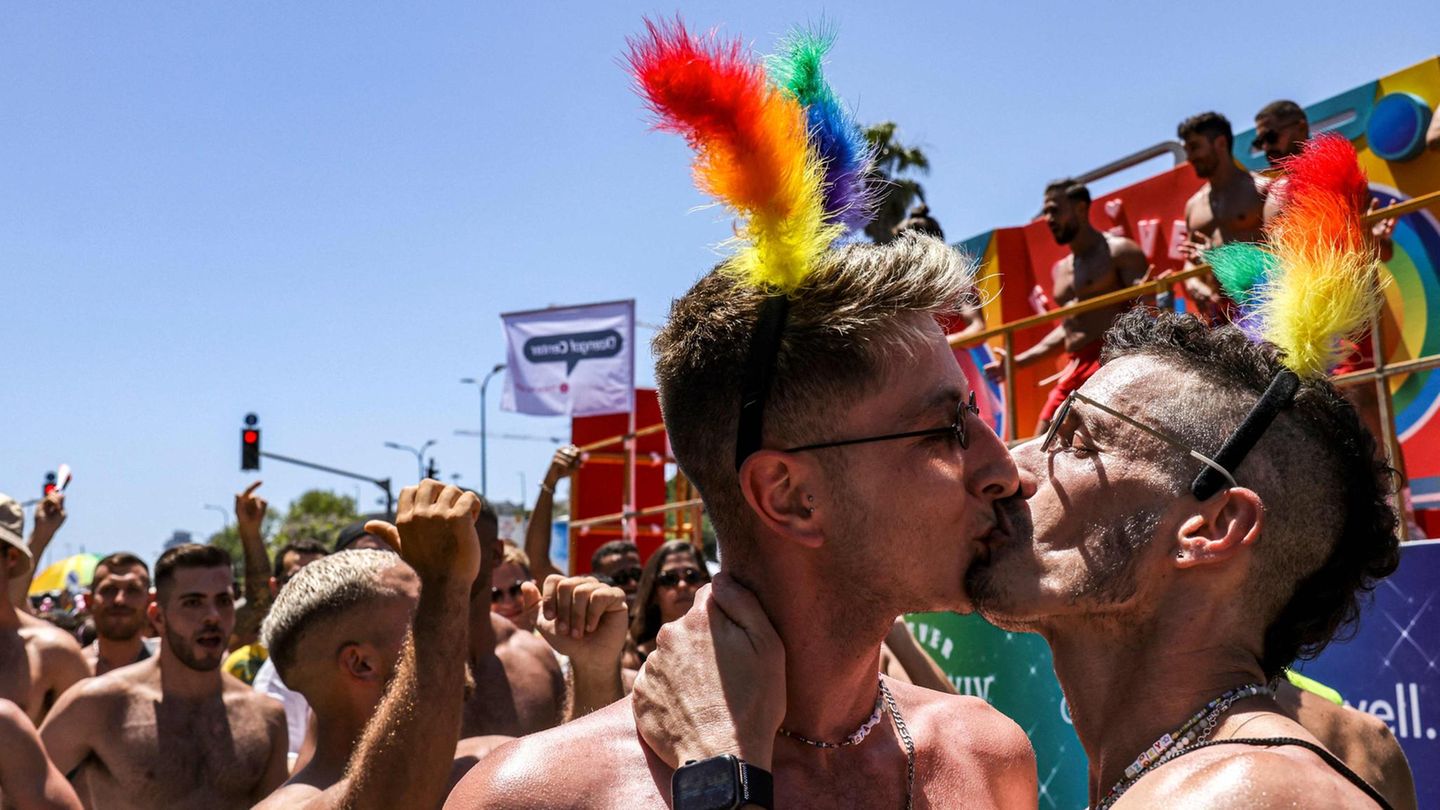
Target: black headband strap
{"points": [[1278, 396], [759, 372]]}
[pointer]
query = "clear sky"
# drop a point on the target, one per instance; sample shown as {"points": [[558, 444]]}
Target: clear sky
{"points": [[316, 211]]}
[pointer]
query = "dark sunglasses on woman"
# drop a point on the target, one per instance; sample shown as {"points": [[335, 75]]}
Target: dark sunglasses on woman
{"points": [[672, 578]]}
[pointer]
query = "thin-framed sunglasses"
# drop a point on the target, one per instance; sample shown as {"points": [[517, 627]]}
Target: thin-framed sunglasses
{"points": [[670, 579], [1064, 412], [513, 591], [963, 411]]}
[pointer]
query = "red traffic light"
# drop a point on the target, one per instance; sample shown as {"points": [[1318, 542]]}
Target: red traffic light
{"points": [[251, 436]]}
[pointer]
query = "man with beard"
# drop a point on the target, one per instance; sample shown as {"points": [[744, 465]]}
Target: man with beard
{"points": [[38, 661], [1153, 599], [1230, 206], [1098, 263], [871, 453], [174, 730], [119, 597]]}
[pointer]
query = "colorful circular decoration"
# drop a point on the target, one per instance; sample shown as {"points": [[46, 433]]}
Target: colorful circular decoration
{"points": [[1414, 298], [1396, 130]]}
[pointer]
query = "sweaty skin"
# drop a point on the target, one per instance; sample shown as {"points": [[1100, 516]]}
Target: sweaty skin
{"points": [[519, 688], [222, 750], [599, 762]]}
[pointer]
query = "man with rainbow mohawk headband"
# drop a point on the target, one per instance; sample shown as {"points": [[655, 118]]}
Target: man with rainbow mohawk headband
{"points": [[1206, 509], [810, 395]]}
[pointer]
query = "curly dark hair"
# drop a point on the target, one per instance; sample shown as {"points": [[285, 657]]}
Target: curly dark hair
{"points": [[1330, 533], [1208, 124]]}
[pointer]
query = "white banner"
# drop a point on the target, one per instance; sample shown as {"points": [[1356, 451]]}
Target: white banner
{"points": [[571, 361]]}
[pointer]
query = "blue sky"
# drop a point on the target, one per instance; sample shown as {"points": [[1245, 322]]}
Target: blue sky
{"points": [[316, 211]]}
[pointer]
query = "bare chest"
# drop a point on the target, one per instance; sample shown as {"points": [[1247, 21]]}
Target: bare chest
{"points": [[515, 694], [1085, 276], [1228, 215], [166, 753]]}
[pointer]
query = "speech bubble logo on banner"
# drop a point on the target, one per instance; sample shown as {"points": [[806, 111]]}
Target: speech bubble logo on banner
{"points": [[572, 348]]}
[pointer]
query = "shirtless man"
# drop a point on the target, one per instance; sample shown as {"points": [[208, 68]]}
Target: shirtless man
{"points": [[119, 599], [1228, 208], [28, 779], [1360, 739], [38, 661], [173, 730], [49, 516], [1098, 263], [519, 688], [1153, 602], [804, 528]]}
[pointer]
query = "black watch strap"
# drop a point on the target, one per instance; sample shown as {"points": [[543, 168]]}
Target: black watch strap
{"points": [[757, 786], [725, 782]]}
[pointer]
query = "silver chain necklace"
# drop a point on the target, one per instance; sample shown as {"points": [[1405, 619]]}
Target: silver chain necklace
{"points": [[883, 701]]}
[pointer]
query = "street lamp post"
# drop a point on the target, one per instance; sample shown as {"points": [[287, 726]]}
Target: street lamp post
{"points": [[419, 453], [224, 513], [482, 384]]}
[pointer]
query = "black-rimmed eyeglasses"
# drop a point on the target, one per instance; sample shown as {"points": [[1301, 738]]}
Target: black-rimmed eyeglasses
{"points": [[963, 412]]}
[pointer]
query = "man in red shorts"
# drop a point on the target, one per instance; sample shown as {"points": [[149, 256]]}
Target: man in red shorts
{"points": [[1098, 263]]}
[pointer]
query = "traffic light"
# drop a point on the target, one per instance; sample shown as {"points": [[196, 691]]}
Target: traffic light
{"points": [[250, 444], [49, 484], [432, 471]]}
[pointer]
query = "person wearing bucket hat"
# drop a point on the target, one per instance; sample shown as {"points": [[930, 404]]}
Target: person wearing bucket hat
{"points": [[38, 661]]}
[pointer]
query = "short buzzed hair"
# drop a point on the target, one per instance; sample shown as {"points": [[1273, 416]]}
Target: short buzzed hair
{"points": [[120, 559], [844, 323], [1208, 124], [1070, 189], [1283, 112], [188, 555], [335, 585]]}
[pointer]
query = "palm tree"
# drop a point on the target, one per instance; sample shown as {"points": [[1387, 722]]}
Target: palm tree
{"points": [[893, 194]]}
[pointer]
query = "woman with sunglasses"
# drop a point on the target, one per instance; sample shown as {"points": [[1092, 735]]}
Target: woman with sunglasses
{"points": [[667, 590], [512, 571]]}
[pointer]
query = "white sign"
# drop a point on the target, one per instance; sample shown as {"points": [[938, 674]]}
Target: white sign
{"points": [[571, 361]]}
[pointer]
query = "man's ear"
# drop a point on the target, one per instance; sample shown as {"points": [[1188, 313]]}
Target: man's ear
{"points": [[152, 612], [274, 587], [1220, 527], [780, 488], [357, 659]]}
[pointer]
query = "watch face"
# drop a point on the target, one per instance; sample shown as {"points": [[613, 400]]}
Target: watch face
{"points": [[707, 785]]}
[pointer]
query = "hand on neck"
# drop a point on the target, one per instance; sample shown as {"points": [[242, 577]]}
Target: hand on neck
{"points": [[831, 666]]}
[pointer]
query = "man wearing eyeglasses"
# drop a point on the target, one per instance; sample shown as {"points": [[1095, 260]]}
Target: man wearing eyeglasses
{"points": [[1178, 546], [869, 458]]}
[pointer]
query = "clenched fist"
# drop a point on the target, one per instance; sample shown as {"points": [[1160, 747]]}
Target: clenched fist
{"points": [[249, 511], [435, 533], [581, 618]]}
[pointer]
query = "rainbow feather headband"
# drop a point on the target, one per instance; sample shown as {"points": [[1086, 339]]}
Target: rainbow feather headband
{"points": [[775, 146], [1316, 282]]}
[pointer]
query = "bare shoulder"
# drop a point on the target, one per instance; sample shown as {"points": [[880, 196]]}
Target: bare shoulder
{"points": [[962, 724], [290, 794], [47, 636], [586, 763], [1123, 246], [1242, 776], [12, 719]]}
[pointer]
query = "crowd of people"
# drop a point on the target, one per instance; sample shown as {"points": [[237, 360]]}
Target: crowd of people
{"points": [[426, 662]]}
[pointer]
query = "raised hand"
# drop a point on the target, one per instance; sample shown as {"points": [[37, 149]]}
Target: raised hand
{"points": [[250, 511], [716, 681], [435, 533], [49, 515], [580, 617], [565, 461]]}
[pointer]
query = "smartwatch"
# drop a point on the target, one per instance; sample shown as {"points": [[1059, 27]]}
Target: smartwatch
{"points": [[721, 783]]}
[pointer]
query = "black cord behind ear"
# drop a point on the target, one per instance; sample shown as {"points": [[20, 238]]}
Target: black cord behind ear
{"points": [[1277, 397], [759, 373]]}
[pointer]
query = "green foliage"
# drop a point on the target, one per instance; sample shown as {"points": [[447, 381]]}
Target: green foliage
{"points": [[893, 194], [319, 514]]}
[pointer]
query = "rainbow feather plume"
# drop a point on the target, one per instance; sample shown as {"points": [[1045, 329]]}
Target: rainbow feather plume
{"points": [[751, 148], [799, 70], [1326, 283]]}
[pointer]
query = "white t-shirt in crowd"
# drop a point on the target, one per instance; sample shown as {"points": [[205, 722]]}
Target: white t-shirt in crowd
{"points": [[297, 710]]}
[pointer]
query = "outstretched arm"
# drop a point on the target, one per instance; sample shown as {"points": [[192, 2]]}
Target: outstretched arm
{"points": [[404, 757], [537, 534], [28, 779], [249, 517], [586, 621]]}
